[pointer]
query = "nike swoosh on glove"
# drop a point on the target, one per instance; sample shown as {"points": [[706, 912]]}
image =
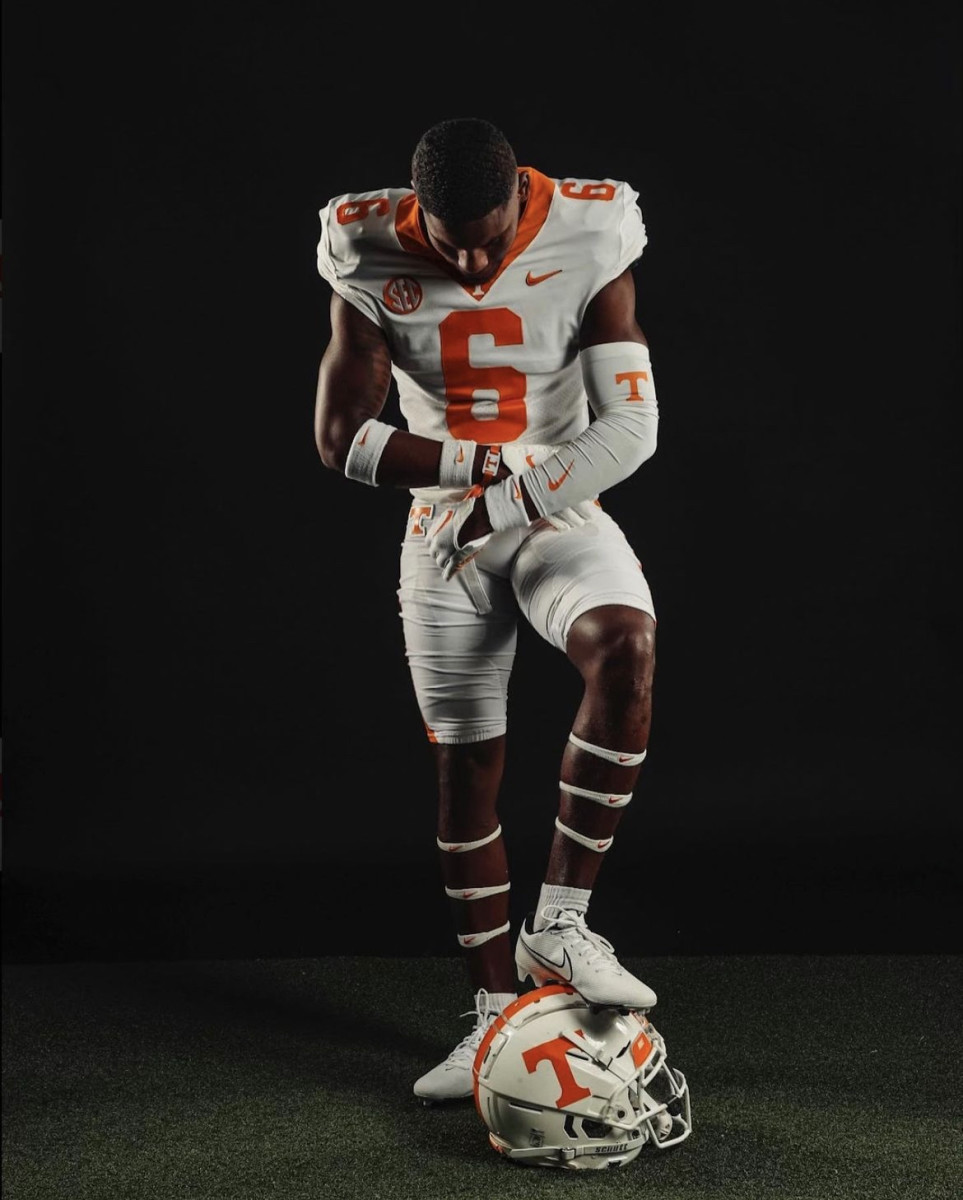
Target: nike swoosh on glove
{"points": [[443, 536]]}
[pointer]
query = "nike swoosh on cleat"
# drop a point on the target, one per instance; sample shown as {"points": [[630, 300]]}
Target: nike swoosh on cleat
{"points": [[531, 279], [564, 968]]}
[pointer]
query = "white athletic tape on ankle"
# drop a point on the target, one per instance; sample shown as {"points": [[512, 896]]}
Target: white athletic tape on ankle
{"points": [[461, 847], [606, 798], [456, 463], [599, 846], [616, 756], [366, 450], [477, 939], [476, 893]]}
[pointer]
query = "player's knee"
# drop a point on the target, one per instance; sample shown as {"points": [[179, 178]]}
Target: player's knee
{"points": [[617, 649], [471, 764]]}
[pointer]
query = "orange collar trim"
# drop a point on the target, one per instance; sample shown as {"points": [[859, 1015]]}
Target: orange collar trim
{"points": [[412, 239]]}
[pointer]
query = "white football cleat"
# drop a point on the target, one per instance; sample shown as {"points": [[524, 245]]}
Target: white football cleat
{"points": [[567, 951], [452, 1079]]}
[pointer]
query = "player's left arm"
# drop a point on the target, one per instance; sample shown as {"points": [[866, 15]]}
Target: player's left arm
{"points": [[617, 373]]}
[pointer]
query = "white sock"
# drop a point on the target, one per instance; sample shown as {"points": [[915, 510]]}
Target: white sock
{"points": [[563, 897]]}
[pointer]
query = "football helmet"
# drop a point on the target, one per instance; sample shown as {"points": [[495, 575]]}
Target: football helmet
{"points": [[561, 1084]]}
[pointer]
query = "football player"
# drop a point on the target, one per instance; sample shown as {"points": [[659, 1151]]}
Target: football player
{"points": [[502, 303]]}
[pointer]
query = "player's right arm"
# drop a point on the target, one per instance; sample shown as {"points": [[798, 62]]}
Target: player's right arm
{"points": [[353, 381]]}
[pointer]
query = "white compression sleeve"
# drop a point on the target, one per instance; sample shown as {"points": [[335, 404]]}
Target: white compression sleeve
{"points": [[621, 392]]}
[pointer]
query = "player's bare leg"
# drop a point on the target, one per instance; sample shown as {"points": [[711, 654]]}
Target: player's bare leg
{"points": [[468, 781], [475, 872], [613, 648]]}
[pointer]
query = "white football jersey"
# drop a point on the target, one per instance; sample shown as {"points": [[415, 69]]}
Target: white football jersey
{"points": [[494, 362]]}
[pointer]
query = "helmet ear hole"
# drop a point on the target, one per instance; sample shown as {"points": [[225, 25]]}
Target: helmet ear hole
{"points": [[594, 1129]]}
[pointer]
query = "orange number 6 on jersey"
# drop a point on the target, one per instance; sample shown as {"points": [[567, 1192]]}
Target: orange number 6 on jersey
{"points": [[357, 210], [588, 191], [464, 382]]}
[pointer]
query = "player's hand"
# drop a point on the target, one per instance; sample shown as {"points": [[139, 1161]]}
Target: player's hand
{"points": [[575, 515], [443, 542]]}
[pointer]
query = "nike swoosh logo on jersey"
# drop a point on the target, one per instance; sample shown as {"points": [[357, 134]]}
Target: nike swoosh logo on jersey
{"points": [[564, 968], [531, 279], [555, 484], [467, 895], [461, 455]]}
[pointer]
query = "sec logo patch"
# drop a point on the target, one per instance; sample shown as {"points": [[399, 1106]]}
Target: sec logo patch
{"points": [[402, 294]]}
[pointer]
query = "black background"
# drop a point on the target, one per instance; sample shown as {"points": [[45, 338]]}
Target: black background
{"points": [[210, 740]]}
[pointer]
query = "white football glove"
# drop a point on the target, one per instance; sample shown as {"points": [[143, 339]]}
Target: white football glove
{"points": [[443, 535], [519, 456], [575, 515]]}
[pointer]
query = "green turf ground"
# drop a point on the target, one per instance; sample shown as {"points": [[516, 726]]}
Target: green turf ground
{"points": [[812, 1078]]}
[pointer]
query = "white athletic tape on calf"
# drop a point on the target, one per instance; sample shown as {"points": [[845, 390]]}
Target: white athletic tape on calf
{"points": [[476, 893], [605, 798], [478, 939], [616, 756], [461, 847], [598, 845]]}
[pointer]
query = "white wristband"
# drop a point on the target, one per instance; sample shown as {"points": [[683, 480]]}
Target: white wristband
{"points": [[457, 463], [506, 505], [366, 450]]}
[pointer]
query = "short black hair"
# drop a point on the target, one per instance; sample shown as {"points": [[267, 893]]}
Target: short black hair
{"points": [[462, 169]]}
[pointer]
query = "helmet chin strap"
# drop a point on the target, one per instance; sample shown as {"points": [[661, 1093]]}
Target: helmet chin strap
{"points": [[567, 1153]]}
